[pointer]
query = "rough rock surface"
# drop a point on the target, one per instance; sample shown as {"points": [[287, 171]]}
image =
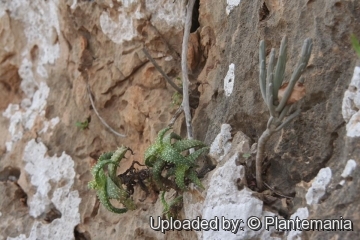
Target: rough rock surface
{"points": [[50, 51]]}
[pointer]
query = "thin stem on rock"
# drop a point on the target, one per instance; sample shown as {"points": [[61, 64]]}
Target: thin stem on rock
{"points": [[184, 69], [179, 90], [97, 114], [260, 156], [176, 115]]}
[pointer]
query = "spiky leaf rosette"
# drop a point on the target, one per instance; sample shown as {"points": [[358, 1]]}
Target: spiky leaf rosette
{"points": [[169, 150], [109, 186]]}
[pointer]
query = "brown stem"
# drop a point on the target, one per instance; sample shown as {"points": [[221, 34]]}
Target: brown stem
{"points": [[98, 115], [277, 193], [176, 115], [260, 156], [179, 90]]}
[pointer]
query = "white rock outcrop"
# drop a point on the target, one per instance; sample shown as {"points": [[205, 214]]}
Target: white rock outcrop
{"points": [[351, 105]]}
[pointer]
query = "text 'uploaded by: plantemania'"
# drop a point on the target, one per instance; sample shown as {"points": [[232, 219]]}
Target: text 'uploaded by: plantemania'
{"points": [[253, 223]]}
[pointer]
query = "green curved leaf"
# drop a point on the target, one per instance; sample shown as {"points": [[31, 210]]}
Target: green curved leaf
{"points": [[97, 168], [180, 176], [113, 191], [167, 138], [161, 135], [150, 155], [104, 199], [117, 192], [195, 155], [194, 178], [119, 154], [110, 187], [92, 184], [186, 144], [156, 172], [173, 203], [163, 201], [170, 155], [105, 156], [101, 187]]}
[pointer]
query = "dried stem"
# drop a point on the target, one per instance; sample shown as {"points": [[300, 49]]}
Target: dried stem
{"points": [[277, 193], [97, 114], [179, 90], [184, 69], [260, 155], [174, 53], [176, 115]]}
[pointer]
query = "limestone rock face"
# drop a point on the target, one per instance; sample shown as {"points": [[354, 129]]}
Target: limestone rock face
{"points": [[52, 51]]}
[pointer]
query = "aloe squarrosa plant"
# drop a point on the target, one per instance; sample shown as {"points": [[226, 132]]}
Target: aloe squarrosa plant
{"points": [[108, 185], [164, 155], [169, 164]]}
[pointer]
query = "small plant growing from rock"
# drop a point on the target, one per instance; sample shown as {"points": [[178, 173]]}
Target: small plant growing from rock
{"points": [[165, 155], [176, 98], [108, 185], [83, 125], [278, 96], [169, 167], [356, 45]]}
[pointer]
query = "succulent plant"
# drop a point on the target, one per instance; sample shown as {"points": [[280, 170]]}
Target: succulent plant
{"points": [[107, 184], [278, 96], [165, 154], [170, 208], [82, 125]]}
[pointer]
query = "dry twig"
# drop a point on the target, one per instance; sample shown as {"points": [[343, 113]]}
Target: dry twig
{"points": [[277, 193], [184, 69], [176, 115], [179, 90], [97, 114]]}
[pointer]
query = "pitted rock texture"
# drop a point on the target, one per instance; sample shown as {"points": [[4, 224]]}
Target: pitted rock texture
{"points": [[50, 51], [46, 64]]}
